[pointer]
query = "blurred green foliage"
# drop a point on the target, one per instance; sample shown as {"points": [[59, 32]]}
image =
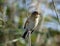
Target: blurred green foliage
{"points": [[14, 30]]}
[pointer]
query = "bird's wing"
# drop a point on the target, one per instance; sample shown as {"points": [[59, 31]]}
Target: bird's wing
{"points": [[26, 23]]}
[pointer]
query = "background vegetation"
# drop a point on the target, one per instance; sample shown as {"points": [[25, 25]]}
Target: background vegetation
{"points": [[13, 14]]}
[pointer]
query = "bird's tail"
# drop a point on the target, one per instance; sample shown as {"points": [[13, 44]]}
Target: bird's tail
{"points": [[25, 33]]}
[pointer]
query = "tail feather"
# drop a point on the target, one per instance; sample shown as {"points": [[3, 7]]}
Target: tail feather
{"points": [[25, 33]]}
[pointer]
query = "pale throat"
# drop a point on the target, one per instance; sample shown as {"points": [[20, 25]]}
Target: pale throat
{"points": [[36, 17]]}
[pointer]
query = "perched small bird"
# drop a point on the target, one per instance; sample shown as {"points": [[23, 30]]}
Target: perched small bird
{"points": [[31, 23]]}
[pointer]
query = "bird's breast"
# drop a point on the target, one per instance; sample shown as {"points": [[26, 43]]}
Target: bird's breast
{"points": [[32, 24], [36, 22]]}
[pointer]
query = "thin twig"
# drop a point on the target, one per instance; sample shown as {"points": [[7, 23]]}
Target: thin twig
{"points": [[55, 10], [29, 39]]}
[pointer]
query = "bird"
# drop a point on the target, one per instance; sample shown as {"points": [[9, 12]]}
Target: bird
{"points": [[31, 23]]}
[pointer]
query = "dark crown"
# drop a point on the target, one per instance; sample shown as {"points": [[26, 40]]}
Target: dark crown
{"points": [[34, 13]]}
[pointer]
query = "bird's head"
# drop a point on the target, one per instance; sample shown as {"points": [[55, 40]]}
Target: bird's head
{"points": [[35, 14]]}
